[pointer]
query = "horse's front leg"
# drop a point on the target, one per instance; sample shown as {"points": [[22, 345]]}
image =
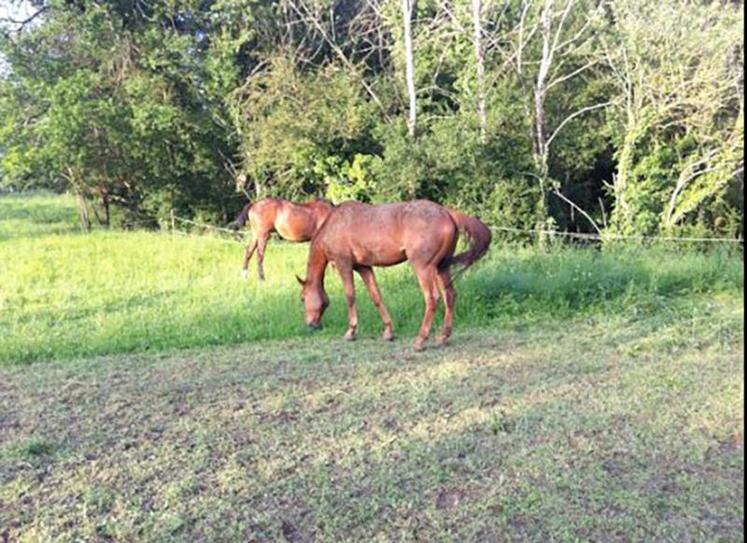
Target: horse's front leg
{"points": [[247, 257], [367, 274], [261, 246], [346, 273]]}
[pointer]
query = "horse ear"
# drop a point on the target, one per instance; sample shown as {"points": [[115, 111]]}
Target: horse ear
{"points": [[301, 281]]}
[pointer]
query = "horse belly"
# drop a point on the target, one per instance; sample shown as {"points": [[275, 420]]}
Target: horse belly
{"points": [[379, 255], [292, 228]]}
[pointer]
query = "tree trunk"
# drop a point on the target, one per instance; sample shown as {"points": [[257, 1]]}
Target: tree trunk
{"points": [[71, 175], [540, 91], [480, 68], [409, 66], [85, 220], [107, 210]]}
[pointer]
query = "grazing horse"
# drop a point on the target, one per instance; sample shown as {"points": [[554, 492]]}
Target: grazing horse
{"points": [[356, 237], [294, 222]]}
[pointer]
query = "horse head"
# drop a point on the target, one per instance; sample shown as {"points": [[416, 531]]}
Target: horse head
{"points": [[315, 301]]}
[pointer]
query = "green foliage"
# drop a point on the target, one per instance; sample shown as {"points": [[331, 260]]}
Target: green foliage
{"points": [[184, 106], [681, 133], [449, 164], [113, 110], [356, 181], [300, 129]]}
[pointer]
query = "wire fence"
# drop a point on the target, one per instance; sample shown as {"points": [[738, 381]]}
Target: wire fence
{"points": [[612, 237], [238, 237]]}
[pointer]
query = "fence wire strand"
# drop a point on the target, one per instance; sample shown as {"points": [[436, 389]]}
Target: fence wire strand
{"points": [[611, 237], [238, 236]]}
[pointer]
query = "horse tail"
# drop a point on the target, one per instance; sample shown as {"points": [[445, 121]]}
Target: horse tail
{"points": [[243, 215], [479, 237]]}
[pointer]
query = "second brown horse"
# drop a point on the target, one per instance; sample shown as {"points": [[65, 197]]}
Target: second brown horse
{"points": [[356, 237], [294, 222]]}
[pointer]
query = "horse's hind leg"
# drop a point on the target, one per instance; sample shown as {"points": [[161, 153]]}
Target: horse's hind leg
{"points": [[261, 246], [427, 278], [367, 274], [448, 292]]}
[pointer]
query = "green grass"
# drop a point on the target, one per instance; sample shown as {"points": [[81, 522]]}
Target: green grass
{"points": [[587, 396], [67, 294], [25, 215], [583, 432]]}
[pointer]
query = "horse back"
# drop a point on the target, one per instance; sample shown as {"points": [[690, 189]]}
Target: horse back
{"points": [[387, 234]]}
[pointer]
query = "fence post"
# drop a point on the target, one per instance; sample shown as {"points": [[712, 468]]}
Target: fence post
{"points": [[173, 222]]}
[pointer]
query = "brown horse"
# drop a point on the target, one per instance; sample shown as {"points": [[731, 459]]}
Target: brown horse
{"points": [[294, 222], [359, 236]]}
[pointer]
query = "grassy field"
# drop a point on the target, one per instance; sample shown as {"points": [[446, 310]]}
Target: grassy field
{"points": [[67, 294], [590, 432], [587, 396]]}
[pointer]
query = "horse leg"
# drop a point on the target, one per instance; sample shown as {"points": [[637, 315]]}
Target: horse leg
{"points": [[346, 273], [426, 277], [261, 245], [449, 295], [367, 274], [247, 257]]}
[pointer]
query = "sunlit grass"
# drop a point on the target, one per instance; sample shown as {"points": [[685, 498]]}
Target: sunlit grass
{"points": [[67, 294]]}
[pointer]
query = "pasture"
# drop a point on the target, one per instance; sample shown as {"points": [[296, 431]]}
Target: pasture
{"points": [[66, 294], [148, 393]]}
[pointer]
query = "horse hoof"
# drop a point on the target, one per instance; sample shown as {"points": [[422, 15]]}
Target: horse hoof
{"points": [[349, 336], [419, 344], [388, 335], [441, 341], [245, 274]]}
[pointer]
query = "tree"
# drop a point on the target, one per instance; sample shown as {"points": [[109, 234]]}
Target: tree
{"points": [[566, 39], [482, 117], [412, 118], [678, 67], [114, 104]]}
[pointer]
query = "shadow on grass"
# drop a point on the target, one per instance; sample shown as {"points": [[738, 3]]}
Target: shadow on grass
{"points": [[505, 436]]}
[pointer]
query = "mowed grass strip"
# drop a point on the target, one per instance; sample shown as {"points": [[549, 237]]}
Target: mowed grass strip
{"points": [[67, 294], [575, 432]]}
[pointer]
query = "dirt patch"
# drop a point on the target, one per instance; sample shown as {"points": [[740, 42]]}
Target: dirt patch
{"points": [[291, 533], [450, 498]]}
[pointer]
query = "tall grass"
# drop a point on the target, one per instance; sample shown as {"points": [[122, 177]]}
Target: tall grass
{"points": [[67, 294]]}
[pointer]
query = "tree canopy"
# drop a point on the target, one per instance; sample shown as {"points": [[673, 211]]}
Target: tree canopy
{"points": [[585, 115]]}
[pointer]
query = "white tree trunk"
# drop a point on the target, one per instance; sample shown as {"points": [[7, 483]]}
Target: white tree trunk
{"points": [[482, 118], [540, 89], [409, 67]]}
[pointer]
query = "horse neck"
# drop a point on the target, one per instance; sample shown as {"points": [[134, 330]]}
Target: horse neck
{"points": [[317, 265]]}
